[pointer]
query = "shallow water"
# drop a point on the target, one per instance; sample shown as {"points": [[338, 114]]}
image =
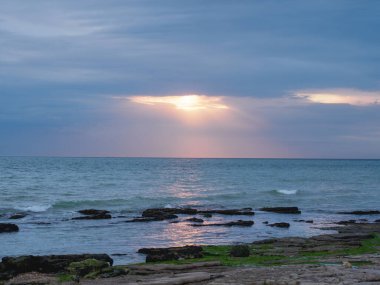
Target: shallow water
{"points": [[51, 190]]}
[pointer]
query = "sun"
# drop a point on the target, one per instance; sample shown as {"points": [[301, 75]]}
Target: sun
{"points": [[187, 103]]}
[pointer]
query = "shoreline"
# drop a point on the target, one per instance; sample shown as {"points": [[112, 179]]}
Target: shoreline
{"points": [[351, 254]]}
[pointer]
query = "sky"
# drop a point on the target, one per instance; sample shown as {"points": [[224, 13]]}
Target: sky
{"points": [[190, 78]]}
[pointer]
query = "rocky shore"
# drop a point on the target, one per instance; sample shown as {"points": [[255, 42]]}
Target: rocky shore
{"points": [[351, 255]]}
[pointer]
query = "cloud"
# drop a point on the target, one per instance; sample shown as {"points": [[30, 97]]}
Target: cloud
{"points": [[341, 96], [185, 102], [62, 62]]}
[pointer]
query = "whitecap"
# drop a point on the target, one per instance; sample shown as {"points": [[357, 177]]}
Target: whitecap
{"points": [[33, 208], [286, 192]]}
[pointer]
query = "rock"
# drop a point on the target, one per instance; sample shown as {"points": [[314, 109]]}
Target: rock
{"points": [[158, 212], [154, 212], [245, 211], [8, 228], [282, 210], [195, 220], [305, 221], [377, 221], [346, 222], [113, 271], [347, 264], [266, 222], [240, 251], [93, 212], [171, 253], [18, 216], [369, 212], [102, 216], [153, 219], [12, 266], [239, 223], [280, 225], [207, 215], [87, 267]]}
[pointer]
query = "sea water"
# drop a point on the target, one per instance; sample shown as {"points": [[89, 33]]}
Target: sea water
{"points": [[51, 190]]}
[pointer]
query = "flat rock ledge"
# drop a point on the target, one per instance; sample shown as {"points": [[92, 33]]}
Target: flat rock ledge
{"points": [[13, 266], [172, 253], [162, 214], [281, 210]]}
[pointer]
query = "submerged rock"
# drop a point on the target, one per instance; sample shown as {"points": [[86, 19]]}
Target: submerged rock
{"points": [[8, 228], [240, 251], [158, 212], [280, 225], [239, 223], [153, 219], [195, 220], [93, 212], [102, 216], [245, 211], [346, 222], [172, 253], [305, 221], [282, 210], [369, 212], [18, 216]]}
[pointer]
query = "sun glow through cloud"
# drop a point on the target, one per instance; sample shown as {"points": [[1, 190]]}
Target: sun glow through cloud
{"points": [[185, 103], [342, 96]]}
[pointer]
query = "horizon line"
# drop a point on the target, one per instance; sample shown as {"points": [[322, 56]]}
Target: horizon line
{"points": [[184, 157]]}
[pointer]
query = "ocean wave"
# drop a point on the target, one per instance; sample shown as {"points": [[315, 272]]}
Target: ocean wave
{"points": [[285, 191], [33, 208], [88, 203]]}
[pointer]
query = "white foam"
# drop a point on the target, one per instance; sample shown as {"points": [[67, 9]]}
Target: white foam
{"points": [[34, 208], [287, 192]]}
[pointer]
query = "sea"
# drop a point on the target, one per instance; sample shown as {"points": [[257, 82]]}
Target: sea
{"points": [[50, 190]]}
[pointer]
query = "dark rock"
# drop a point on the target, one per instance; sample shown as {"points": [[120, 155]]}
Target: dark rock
{"points": [[172, 253], [240, 251], [153, 219], [8, 228], [266, 222], [18, 216], [207, 215], [12, 266], [305, 221], [93, 212], [377, 221], [282, 210], [94, 217], [245, 211], [195, 220], [370, 212], [280, 225], [239, 223], [346, 222], [158, 212]]}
